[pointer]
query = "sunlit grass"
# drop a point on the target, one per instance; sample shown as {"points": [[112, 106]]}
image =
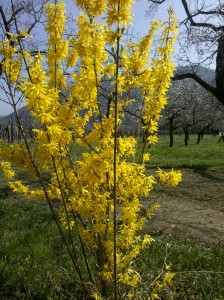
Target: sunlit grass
{"points": [[206, 155]]}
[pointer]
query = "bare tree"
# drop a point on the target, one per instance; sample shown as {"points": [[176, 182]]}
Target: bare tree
{"points": [[172, 111], [187, 113], [201, 34], [191, 108]]}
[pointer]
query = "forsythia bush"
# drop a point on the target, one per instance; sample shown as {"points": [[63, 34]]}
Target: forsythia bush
{"points": [[99, 191]]}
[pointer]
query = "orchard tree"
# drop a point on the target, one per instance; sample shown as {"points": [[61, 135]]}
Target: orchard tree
{"points": [[219, 125], [201, 41], [187, 113], [190, 107], [99, 192], [205, 111], [172, 113]]}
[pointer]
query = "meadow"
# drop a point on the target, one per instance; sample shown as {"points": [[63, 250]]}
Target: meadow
{"points": [[204, 156], [34, 263]]}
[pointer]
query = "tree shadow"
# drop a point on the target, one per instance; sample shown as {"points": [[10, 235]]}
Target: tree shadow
{"points": [[209, 174]]}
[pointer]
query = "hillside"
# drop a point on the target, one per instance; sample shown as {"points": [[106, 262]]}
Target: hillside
{"points": [[24, 116], [206, 74]]}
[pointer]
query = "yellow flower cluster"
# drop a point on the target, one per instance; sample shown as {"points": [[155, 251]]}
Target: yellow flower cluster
{"points": [[92, 7], [12, 62], [18, 187], [162, 68], [7, 170], [119, 12], [165, 280], [170, 179], [99, 77], [58, 47]]}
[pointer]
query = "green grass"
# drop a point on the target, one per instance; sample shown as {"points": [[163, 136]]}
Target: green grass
{"points": [[33, 260], [204, 156], [198, 267]]}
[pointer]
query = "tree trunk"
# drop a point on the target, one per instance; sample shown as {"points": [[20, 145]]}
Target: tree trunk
{"points": [[199, 138], [186, 137], [171, 133], [221, 138], [219, 72]]}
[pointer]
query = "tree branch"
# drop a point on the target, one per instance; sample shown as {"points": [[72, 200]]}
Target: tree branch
{"points": [[5, 22], [199, 24], [16, 12], [199, 80], [158, 1], [132, 114]]}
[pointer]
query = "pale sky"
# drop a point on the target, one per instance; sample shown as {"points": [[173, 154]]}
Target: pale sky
{"points": [[140, 25]]}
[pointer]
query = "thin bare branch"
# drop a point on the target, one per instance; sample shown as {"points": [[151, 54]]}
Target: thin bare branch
{"points": [[199, 24]]}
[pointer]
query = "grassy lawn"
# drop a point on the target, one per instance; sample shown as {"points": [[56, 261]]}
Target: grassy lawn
{"points": [[34, 263], [198, 267], [206, 155]]}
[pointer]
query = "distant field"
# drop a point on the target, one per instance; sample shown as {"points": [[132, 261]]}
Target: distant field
{"points": [[206, 155]]}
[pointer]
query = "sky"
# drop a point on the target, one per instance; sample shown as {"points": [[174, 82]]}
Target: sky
{"points": [[140, 25]]}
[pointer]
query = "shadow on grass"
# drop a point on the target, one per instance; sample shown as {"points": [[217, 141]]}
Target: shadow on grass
{"points": [[5, 191], [199, 167], [196, 167], [208, 175]]}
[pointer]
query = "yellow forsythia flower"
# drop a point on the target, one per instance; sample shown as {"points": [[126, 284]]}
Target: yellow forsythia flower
{"points": [[170, 179], [7, 171], [168, 278], [18, 187], [96, 296]]}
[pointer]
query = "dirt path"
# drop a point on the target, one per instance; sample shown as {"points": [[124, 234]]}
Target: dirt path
{"points": [[195, 208]]}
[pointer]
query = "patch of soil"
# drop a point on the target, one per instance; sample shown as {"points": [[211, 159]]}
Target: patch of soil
{"points": [[195, 208]]}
